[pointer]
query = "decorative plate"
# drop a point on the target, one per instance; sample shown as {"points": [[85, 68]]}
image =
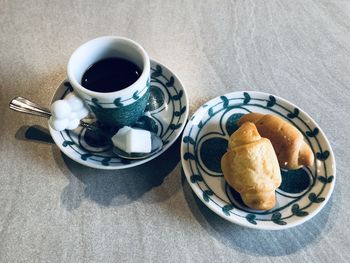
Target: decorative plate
{"points": [[302, 193], [166, 115]]}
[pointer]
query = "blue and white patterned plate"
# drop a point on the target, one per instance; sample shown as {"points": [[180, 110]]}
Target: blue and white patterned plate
{"points": [[302, 193], [166, 115]]}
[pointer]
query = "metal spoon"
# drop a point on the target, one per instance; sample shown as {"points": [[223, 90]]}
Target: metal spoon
{"points": [[26, 106]]}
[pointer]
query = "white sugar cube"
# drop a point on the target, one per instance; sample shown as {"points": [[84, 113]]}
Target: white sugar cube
{"points": [[60, 109], [73, 115], [73, 124], [133, 140], [82, 113], [58, 124], [119, 139], [74, 101]]}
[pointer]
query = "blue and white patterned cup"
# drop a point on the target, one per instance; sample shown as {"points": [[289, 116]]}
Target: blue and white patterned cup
{"points": [[118, 108]]}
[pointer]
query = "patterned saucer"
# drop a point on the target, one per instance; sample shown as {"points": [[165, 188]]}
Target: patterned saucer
{"points": [[166, 115], [302, 193]]}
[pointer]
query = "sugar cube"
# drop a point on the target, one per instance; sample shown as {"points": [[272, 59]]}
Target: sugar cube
{"points": [[74, 101], [60, 109], [133, 140], [58, 124]]}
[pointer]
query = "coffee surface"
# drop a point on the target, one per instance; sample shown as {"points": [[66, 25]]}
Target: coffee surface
{"points": [[110, 74]]}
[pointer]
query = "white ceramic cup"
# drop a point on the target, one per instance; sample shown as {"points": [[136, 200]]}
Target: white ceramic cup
{"points": [[118, 108]]}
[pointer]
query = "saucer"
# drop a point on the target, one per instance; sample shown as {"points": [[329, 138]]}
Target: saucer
{"points": [[303, 192], [166, 115]]}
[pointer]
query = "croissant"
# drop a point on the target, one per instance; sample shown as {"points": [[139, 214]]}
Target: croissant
{"points": [[291, 150], [251, 167]]}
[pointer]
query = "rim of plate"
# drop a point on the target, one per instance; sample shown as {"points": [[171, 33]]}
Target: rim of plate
{"points": [[133, 164], [234, 218]]}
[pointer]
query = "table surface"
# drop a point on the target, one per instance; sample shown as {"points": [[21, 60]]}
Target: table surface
{"points": [[55, 210]]}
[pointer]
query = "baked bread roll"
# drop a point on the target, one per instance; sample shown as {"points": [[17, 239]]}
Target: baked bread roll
{"points": [[291, 150], [251, 167]]}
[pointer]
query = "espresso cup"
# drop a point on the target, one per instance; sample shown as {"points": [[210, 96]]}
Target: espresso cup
{"points": [[118, 108]]}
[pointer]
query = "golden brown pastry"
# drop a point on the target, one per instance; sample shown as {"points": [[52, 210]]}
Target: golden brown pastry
{"points": [[291, 150], [251, 167]]}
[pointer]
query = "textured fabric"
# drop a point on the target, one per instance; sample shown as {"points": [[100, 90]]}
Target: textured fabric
{"points": [[55, 210]]}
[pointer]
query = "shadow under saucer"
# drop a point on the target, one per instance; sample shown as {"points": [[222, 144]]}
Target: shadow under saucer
{"points": [[251, 241], [116, 187]]}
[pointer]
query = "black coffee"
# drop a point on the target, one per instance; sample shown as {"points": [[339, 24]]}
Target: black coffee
{"points": [[110, 74]]}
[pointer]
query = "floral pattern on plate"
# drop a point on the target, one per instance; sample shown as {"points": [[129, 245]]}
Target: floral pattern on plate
{"points": [[166, 115], [303, 192]]}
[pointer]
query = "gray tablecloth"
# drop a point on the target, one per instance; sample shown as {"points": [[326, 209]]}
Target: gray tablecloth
{"points": [[55, 210]]}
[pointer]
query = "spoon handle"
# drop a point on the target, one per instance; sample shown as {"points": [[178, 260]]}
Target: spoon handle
{"points": [[26, 106]]}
